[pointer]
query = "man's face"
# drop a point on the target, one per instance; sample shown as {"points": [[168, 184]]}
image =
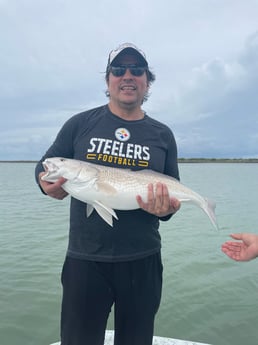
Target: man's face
{"points": [[127, 90]]}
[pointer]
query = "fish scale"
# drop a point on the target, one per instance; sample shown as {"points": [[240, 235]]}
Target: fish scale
{"points": [[107, 189]]}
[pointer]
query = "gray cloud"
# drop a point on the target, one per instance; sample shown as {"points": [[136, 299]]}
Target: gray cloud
{"points": [[53, 55], [214, 112]]}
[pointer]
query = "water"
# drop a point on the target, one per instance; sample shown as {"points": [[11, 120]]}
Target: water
{"points": [[206, 296]]}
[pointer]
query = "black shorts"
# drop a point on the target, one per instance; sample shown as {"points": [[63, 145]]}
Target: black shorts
{"points": [[91, 288]]}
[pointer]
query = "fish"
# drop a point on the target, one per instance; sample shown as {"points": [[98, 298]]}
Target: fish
{"points": [[107, 189]]}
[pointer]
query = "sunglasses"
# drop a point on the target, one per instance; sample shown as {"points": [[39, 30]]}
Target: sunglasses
{"points": [[119, 71]]}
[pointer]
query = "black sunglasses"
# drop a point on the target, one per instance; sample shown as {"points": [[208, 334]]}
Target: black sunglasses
{"points": [[119, 71]]}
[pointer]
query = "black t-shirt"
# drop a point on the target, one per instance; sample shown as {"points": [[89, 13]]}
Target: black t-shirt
{"points": [[100, 137]]}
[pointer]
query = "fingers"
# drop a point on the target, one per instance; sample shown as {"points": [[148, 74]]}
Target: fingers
{"points": [[158, 198], [232, 246], [236, 236], [55, 189], [231, 250], [232, 255], [175, 204], [158, 201]]}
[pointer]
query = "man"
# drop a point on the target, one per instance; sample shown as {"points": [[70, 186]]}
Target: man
{"points": [[245, 249], [119, 266]]}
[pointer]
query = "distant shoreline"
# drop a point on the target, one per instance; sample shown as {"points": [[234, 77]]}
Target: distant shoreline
{"points": [[180, 160], [218, 160]]}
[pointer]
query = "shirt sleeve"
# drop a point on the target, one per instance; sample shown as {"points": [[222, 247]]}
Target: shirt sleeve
{"points": [[171, 165], [61, 147]]}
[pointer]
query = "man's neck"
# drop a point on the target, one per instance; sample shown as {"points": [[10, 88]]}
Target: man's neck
{"points": [[128, 113]]}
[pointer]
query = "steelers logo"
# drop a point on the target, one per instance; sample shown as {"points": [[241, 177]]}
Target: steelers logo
{"points": [[122, 134]]}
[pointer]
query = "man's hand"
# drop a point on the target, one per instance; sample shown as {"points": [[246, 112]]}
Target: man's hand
{"points": [[55, 189], [159, 202], [245, 249]]}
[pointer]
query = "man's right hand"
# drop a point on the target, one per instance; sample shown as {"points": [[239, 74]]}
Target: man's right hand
{"points": [[55, 189]]}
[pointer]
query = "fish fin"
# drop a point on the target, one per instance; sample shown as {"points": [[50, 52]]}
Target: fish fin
{"points": [[105, 212], [105, 188], [209, 209], [89, 209]]}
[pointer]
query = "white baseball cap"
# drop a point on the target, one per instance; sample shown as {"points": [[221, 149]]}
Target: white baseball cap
{"points": [[130, 48]]}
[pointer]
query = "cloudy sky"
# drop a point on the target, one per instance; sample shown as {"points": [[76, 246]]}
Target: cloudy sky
{"points": [[204, 54]]}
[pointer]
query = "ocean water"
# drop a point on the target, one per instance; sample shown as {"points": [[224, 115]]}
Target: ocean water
{"points": [[206, 296]]}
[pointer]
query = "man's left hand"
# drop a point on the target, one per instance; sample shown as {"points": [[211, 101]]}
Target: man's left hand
{"points": [[159, 202]]}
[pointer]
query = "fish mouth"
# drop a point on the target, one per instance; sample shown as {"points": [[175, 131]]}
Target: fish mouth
{"points": [[50, 168]]}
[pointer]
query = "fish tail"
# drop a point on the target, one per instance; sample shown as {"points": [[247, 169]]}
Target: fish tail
{"points": [[209, 209]]}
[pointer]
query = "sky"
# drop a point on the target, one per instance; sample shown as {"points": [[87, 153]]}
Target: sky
{"points": [[204, 54]]}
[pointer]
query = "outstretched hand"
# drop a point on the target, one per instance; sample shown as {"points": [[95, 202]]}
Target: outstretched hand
{"points": [[245, 250], [159, 203]]}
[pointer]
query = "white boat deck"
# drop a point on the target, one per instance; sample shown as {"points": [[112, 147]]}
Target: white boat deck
{"points": [[109, 338]]}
